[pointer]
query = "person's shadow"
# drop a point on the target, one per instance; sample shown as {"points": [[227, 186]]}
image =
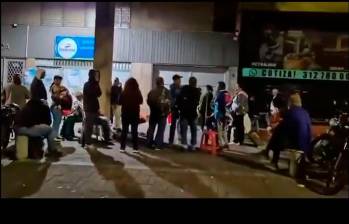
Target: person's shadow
{"points": [[20, 179], [114, 171], [178, 175]]}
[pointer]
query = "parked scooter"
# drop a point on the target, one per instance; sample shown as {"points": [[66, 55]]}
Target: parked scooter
{"points": [[329, 157], [8, 113]]}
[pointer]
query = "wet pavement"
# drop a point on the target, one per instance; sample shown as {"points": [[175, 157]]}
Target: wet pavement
{"points": [[107, 173]]}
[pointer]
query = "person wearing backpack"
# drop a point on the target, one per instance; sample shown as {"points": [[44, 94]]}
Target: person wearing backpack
{"points": [[159, 101], [222, 99], [188, 101]]}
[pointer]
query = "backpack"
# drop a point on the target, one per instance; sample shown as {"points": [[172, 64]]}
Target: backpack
{"points": [[164, 106], [227, 98]]}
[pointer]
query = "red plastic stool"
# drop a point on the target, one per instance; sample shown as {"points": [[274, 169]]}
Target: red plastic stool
{"points": [[209, 142]]}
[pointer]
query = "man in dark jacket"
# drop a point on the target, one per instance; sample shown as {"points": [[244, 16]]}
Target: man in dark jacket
{"points": [[91, 93], [188, 101], [159, 101], [115, 94], [175, 89], [37, 88], [34, 120]]}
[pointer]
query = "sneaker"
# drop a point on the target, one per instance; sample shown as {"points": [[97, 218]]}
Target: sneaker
{"points": [[135, 151], [122, 150], [57, 139], [157, 149]]}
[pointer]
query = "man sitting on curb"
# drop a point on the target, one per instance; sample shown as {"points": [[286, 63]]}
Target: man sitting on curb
{"points": [[34, 120]]}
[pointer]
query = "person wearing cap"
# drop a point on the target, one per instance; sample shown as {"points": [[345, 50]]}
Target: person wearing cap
{"points": [[57, 91], [37, 87], [175, 89], [294, 131], [187, 102], [67, 131]]}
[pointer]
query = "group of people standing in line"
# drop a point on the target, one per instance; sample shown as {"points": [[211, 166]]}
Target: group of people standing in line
{"points": [[221, 110]]}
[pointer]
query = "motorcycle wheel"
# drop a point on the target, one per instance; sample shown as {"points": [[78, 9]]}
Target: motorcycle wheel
{"points": [[5, 136], [322, 154], [337, 179]]}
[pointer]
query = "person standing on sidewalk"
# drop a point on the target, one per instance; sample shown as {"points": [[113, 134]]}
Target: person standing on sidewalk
{"points": [[56, 90], [222, 99], [188, 101], [239, 108], [205, 109], [37, 87], [159, 101], [175, 89], [116, 90], [16, 92], [91, 93], [130, 101]]}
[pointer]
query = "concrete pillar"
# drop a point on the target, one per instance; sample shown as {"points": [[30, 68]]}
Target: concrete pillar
{"points": [[143, 73], [103, 58]]}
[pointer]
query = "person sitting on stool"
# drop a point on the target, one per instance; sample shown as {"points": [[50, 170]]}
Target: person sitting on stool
{"points": [[67, 130], [34, 120]]}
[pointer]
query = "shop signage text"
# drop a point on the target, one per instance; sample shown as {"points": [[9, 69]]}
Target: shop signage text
{"points": [[295, 74]]}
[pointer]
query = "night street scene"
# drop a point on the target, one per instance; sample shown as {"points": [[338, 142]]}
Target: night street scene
{"points": [[174, 100]]}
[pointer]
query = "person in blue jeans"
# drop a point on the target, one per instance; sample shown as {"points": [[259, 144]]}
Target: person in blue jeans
{"points": [[175, 89], [34, 120], [56, 90], [159, 101], [188, 101]]}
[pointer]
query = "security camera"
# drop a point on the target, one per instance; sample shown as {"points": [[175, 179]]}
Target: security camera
{"points": [[14, 25]]}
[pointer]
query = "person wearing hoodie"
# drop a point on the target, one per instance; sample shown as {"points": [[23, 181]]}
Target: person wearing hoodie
{"points": [[188, 101], [91, 93], [220, 103], [37, 87], [239, 108], [34, 120]]}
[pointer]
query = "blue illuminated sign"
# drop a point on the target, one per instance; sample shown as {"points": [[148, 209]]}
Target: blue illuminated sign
{"points": [[73, 47]]}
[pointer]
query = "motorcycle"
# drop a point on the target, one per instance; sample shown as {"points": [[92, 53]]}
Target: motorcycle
{"points": [[329, 157], [8, 113]]}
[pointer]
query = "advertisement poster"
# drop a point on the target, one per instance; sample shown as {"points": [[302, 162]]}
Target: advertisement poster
{"points": [[74, 47], [303, 52]]}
